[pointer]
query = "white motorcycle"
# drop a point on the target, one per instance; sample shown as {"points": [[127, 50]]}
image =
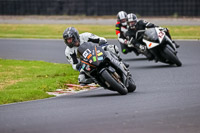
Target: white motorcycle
{"points": [[160, 46]]}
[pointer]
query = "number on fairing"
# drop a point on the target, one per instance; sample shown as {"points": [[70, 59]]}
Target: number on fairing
{"points": [[86, 53], [161, 34]]}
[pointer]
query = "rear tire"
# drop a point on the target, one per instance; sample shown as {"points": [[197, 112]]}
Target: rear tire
{"points": [[115, 85], [171, 56]]}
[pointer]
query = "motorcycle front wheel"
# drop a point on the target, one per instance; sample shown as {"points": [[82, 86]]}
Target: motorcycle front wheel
{"points": [[171, 56], [113, 83], [132, 86]]}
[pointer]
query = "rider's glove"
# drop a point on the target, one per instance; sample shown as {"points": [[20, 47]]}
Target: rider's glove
{"points": [[128, 43], [102, 41]]}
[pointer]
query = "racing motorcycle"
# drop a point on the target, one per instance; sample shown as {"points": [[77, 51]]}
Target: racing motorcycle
{"points": [[105, 68], [159, 46]]}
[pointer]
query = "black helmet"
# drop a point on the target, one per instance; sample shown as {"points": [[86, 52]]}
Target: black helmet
{"points": [[71, 32], [122, 17], [132, 20]]}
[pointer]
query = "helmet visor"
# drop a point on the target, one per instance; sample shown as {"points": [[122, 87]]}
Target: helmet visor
{"points": [[123, 20], [69, 41], [132, 24]]}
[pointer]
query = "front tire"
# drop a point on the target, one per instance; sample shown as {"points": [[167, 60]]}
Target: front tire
{"points": [[132, 86], [114, 85], [171, 56]]}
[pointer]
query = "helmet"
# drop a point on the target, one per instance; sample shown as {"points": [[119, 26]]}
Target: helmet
{"points": [[122, 17], [71, 37], [132, 20]]}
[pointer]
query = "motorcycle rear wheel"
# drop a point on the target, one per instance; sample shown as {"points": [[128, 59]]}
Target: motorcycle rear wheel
{"points": [[114, 85]]}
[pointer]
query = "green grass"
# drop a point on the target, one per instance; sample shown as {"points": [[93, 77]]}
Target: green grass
{"points": [[54, 31], [30, 80], [184, 32], [51, 31]]}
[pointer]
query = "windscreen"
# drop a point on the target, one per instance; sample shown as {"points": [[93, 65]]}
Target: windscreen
{"points": [[151, 35]]}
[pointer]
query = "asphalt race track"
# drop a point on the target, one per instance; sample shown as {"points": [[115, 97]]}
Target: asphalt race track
{"points": [[167, 99]]}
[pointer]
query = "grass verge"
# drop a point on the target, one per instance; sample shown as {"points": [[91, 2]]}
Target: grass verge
{"points": [[54, 31], [29, 80]]}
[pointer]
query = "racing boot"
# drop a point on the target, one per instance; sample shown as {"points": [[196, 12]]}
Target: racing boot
{"points": [[83, 79], [177, 45], [141, 48]]}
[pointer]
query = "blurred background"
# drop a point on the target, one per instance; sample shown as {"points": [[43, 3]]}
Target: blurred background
{"points": [[173, 8]]}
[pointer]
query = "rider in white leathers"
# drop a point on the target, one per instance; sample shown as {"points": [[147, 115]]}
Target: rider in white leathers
{"points": [[73, 40], [72, 52]]}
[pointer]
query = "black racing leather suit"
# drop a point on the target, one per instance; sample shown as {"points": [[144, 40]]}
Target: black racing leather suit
{"points": [[137, 33]]}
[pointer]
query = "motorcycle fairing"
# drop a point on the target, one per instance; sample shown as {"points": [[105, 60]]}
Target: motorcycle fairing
{"points": [[153, 37], [150, 44], [91, 56]]}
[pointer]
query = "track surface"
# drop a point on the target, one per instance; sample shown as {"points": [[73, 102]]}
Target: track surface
{"points": [[167, 98]]}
